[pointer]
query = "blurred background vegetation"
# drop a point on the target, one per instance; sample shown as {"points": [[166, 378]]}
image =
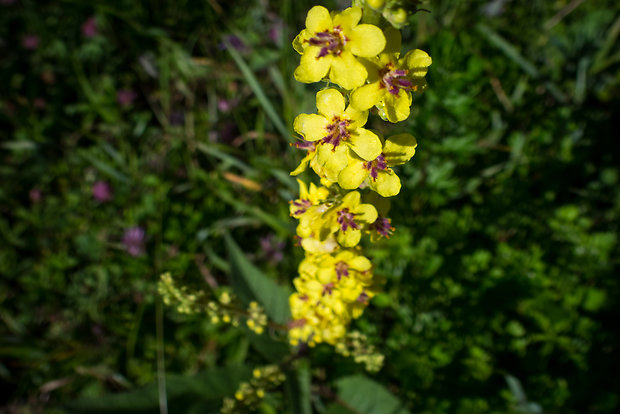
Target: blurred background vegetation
{"points": [[135, 134]]}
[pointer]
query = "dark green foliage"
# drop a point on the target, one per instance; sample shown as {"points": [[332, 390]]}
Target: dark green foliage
{"points": [[198, 393]]}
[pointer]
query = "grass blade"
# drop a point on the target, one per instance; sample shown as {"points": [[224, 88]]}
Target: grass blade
{"points": [[258, 91]]}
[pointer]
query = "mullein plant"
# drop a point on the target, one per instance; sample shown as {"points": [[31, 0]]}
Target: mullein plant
{"points": [[364, 69], [358, 51]]}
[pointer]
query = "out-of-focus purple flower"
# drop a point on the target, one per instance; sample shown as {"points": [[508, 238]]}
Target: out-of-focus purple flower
{"points": [[272, 248], [30, 42], [133, 239], [275, 31], [125, 97], [35, 195], [89, 27], [225, 105], [235, 42], [102, 191]]}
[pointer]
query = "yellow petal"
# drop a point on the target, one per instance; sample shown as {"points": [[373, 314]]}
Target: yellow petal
{"points": [[318, 20], [303, 164], [393, 40], [358, 118], [353, 175], [351, 199], [349, 238], [326, 275], [373, 67], [387, 183], [348, 18], [399, 149], [366, 40], [366, 213], [417, 61], [332, 161], [303, 231], [367, 96], [397, 107], [303, 189], [365, 144], [316, 246], [312, 68], [360, 263], [330, 103], [346, 71], [298, 43], [311, 126]]}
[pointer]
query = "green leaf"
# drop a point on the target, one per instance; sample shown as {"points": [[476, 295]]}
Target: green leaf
{"points": [[19, 145], [105, 168], [258, 91], [184, 393], [338, 409], [594, 300], [219, 151], [252, 284], [297, 387], [365, 396], [509, 50]]}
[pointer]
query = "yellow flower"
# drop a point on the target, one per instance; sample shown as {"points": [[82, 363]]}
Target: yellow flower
{"points": [[330, 43], [392, 79], [397, 150], [347, 218], [306, 146], [335, 130], [308, 197], [332, 289], [311, 245]]}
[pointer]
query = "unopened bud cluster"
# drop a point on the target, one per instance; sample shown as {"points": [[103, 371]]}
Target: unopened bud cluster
{"points": [[363, 62], [224, 309], [356, 345], [184, 301], [396, 12], [251, 393]]}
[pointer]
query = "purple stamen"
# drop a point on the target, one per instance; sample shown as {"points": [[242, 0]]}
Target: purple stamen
{"points": [[336, 132], [346, 220], [363, 298], [328, 288], [342, 269], [382, 225], [304, 145], [374, 166], [331, 42], [395, 80], [302, 205]]}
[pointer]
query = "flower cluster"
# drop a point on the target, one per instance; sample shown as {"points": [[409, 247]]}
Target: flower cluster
{"points": [[185, 301], [224, 309], [336, 281], [356, 345], [251, 393]]}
